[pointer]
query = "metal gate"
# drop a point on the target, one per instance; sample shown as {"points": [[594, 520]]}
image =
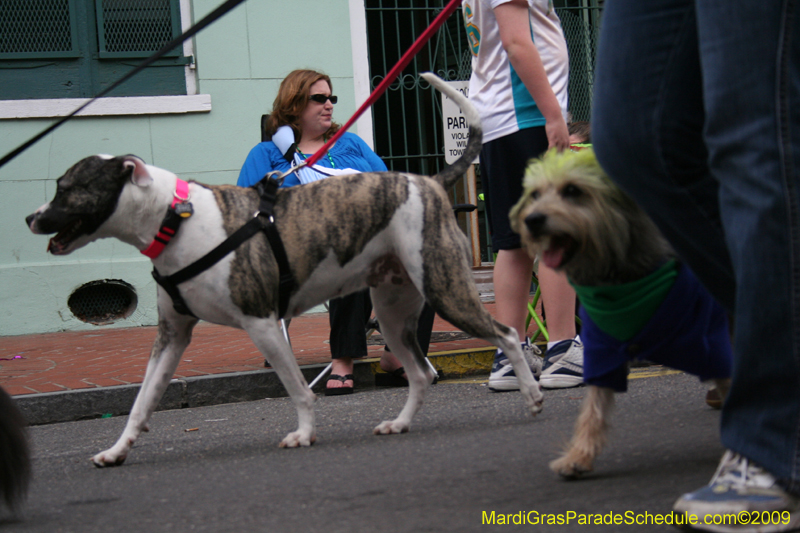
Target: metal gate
{"points": [[581, 25], [407, 120]]}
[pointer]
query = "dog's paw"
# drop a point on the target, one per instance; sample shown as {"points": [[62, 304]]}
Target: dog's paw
{"points": [[534, 399], [106, 458], [536, 407], [570, 468], [390, 427], [298, 438]]}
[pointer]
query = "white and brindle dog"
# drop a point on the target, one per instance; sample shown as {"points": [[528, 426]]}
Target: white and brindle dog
{"points": [[578, 222], [392, 232]]}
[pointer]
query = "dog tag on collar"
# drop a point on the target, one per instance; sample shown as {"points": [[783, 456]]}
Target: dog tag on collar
{"points": [[184, 209]]}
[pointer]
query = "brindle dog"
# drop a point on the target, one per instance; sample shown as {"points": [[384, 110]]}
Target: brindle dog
{"points": [[392, 232]]}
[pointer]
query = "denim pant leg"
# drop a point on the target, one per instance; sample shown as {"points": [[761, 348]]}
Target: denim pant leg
{"points": [[647, 129], [750, 53], [750, 92]]}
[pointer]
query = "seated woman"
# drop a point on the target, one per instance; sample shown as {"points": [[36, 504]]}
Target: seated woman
{"points": [[300, 123]]}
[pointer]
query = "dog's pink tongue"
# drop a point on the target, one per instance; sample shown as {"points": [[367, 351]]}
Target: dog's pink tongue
{"points": [[553, 257]]}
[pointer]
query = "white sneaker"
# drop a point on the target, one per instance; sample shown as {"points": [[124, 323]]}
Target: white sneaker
{"points": [[503, 377], [742, 497], [563, 365]]}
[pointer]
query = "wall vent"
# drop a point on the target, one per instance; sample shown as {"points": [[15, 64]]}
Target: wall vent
{"points": [[103, 302]]}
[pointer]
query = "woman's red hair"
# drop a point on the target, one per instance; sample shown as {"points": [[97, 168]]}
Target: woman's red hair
{"points": [[292, 100]]}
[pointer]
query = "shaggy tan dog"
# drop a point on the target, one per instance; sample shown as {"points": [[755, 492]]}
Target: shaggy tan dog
{"points": [[577, 221]]}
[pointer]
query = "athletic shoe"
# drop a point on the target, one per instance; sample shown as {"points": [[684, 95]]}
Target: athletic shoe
{"points": [[742, 497], [503, 377], [563, 365]]}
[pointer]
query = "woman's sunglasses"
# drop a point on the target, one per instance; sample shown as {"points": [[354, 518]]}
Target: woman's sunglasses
{"points": [[321, 98]]}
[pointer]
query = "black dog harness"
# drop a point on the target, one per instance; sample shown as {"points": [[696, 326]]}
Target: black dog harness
{"points": [[263, 221]]}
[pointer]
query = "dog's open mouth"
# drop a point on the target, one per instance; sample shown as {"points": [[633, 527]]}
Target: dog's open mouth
{"points": [[559, 251], [63, 238]]}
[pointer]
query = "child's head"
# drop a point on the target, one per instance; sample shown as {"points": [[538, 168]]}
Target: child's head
{"points": [[580, 132]]}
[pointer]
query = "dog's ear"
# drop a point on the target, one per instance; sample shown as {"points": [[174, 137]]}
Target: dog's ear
{"points": [[140, 176]]}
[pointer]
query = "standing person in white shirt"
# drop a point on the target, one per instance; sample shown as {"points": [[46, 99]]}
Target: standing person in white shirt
{"points": [[520, 71]]}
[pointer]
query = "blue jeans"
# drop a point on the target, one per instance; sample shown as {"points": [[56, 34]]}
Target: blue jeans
{"points": [[697, 116]]}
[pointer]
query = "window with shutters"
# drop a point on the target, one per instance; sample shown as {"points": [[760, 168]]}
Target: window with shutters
{"points": [[76, 48]]}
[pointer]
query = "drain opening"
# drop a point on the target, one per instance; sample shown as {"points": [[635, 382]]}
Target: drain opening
{"points": [[103, 301]]}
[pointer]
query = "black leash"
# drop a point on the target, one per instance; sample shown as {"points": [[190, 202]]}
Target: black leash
{"points": [[263, 221], [208, 19]]}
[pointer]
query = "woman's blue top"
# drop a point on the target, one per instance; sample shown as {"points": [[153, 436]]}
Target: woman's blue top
{"points": [[350, 151]]}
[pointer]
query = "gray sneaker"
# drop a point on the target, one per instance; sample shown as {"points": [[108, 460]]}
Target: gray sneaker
{"points": [[563, 365], [742, 497], [503, 377]]}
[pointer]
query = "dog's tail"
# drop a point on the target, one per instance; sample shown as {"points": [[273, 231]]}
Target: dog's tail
{"points": [[448, 177], [15, 462]]}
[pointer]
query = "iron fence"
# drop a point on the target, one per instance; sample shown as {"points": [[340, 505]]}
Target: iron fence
{"points": [[407, 120]]}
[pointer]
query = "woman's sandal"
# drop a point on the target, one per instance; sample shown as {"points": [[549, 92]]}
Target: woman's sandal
{"points": [[338, 391], [395, 378], [391, 379]]}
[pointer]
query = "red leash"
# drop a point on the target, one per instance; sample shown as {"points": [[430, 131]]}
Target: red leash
{"points": [[390, 77]]}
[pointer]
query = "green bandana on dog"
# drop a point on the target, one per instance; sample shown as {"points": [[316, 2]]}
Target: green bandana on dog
{"points": [[623, 310]]}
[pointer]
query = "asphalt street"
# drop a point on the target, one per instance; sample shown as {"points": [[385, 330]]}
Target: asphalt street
{"points": [[470, 453]]}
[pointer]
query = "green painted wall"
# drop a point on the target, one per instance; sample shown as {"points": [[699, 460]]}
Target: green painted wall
{"points": [[241, 59]]}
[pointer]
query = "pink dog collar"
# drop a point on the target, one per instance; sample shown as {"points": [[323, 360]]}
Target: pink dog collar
{"points": [[178, 210]]}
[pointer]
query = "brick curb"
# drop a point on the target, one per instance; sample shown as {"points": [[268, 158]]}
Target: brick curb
{"points": [[83, 404]]}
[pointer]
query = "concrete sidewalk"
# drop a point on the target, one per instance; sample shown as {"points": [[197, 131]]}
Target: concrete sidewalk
{"points": [[66, 376]]}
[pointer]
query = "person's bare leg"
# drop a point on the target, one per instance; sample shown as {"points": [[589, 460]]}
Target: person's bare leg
{"points": [[558, 298], [512, 282], [389, 362]]}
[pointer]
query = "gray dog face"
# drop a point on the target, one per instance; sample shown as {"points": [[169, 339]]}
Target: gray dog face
{"points": [[86, 196]]}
